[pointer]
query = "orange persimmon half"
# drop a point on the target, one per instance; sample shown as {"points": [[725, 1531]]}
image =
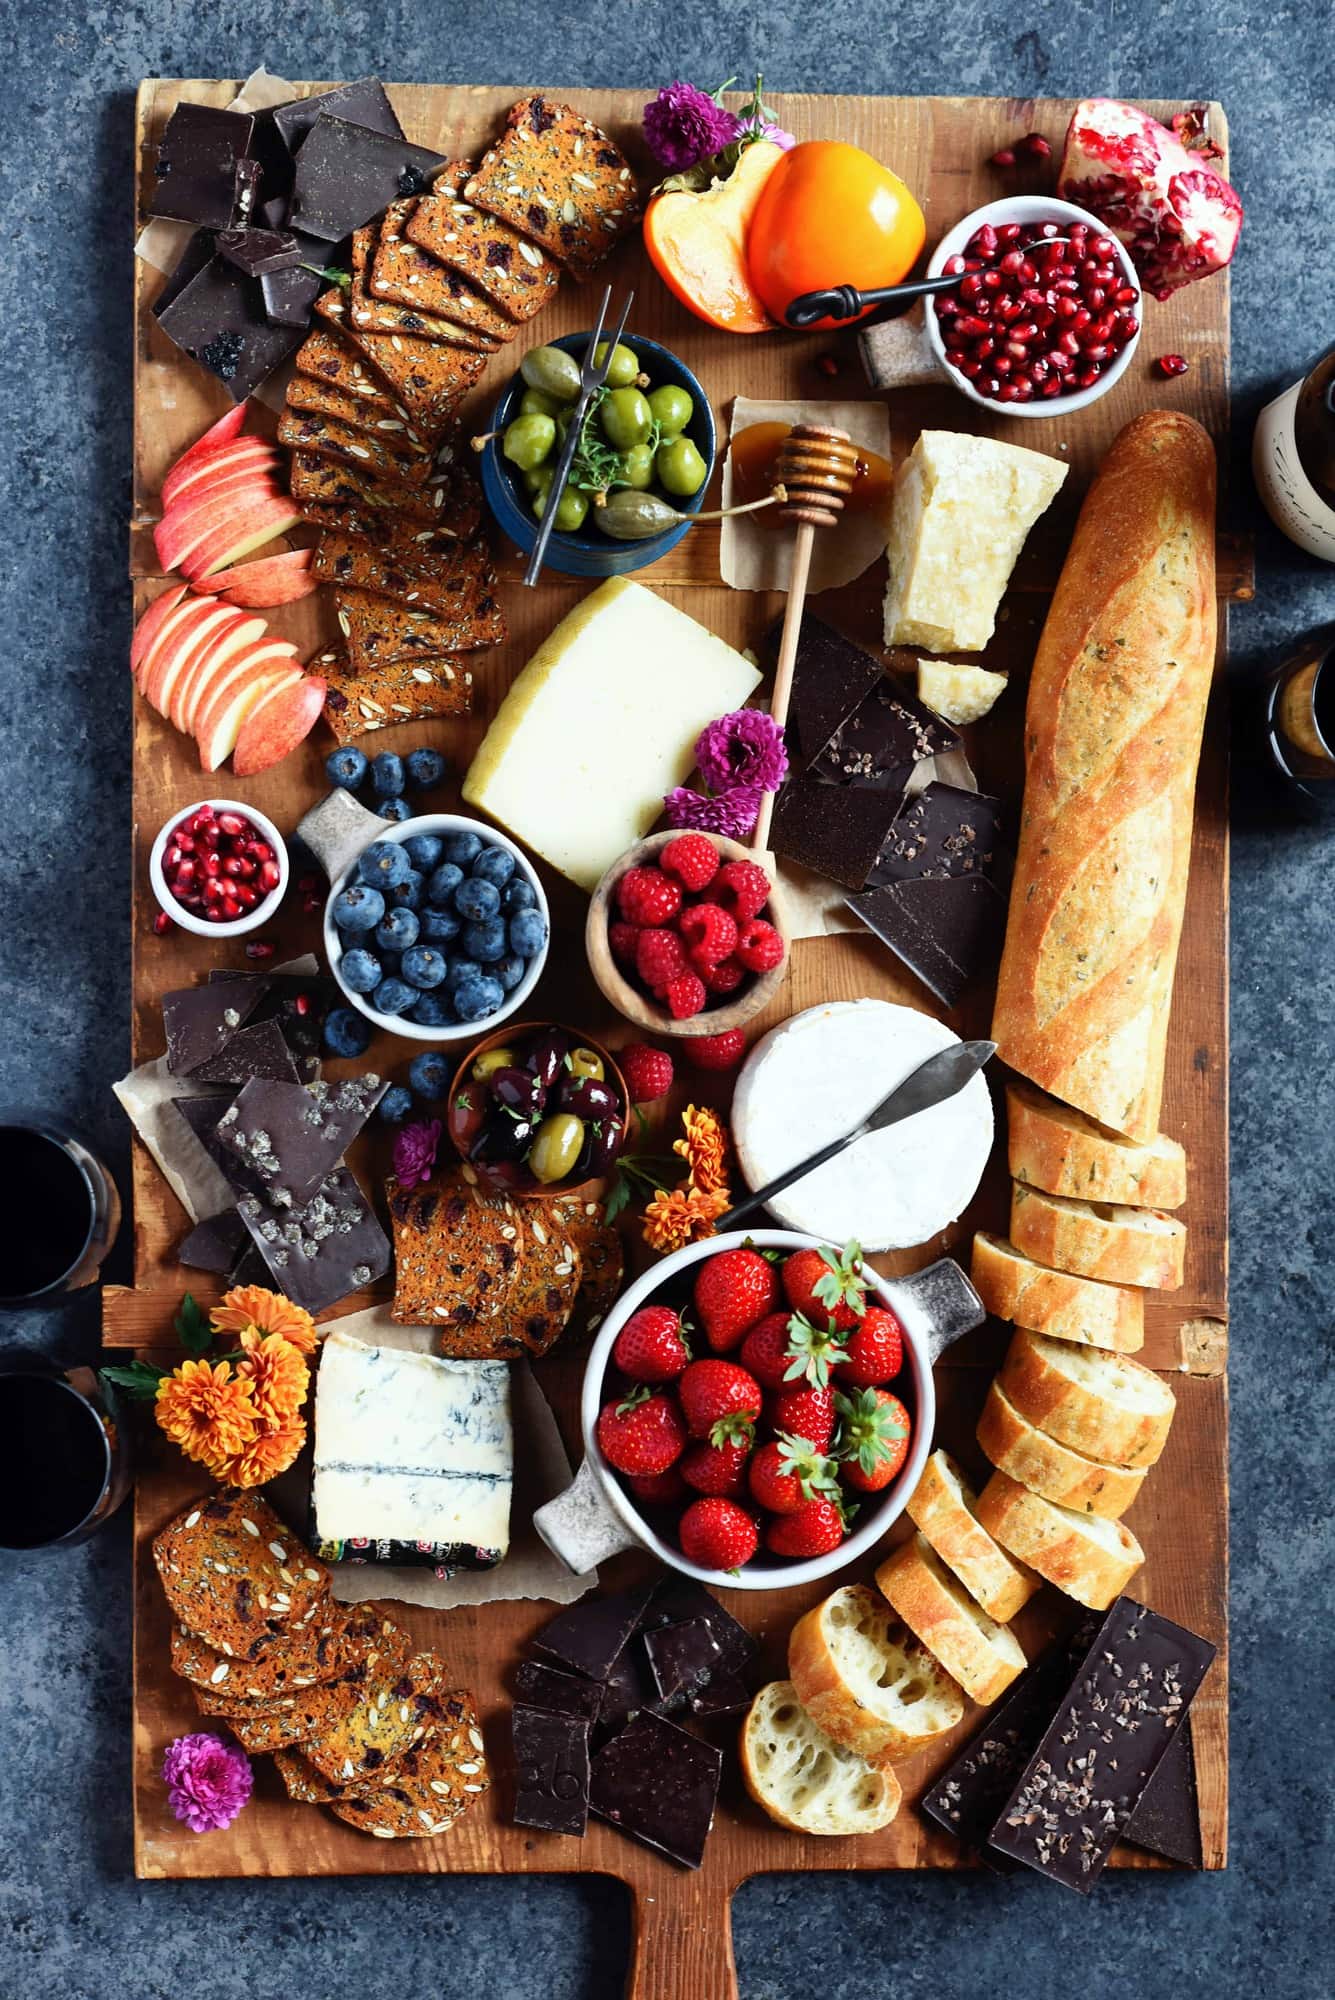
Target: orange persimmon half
{"points": [[828, 215], [697, 243]]}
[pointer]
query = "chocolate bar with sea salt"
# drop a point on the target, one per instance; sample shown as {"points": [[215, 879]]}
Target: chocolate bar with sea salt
{"points": [[291, 1135], [319, 1250]]}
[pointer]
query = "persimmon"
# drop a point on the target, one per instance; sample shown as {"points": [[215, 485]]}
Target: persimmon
{"points": [[697, 243], [829, 214]]}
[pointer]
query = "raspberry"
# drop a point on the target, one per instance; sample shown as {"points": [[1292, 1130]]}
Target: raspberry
{"points": [[648, 1072], [648, 896], [716, 1051], [660, 956], [759, 946], [685, 996], [623, 940], [709, 931], [693, 860], [743, 888], [724, 978]]}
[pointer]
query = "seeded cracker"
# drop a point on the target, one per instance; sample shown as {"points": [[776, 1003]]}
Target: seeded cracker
{"points": [[559, 180], [404, 274], [432, 1786], [411, 564], [234, 1575], [272, 1667], [326, 356], [541, 1300], [366, 1634], [393, 1711], [411, 691], [334, 496], [305, 392], [318, 1709], [514, 274], [425, 375], [369, 314], [602, 1259], [379, 632], [391, 450], [458, 1253]]}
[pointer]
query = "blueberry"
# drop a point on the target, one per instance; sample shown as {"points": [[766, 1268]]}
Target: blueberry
{"points": [[495, 864], [433, 1010], [345, 768], [358, 908], [396, 809], [460, 967], [528, 933], [476, 997], [462, 849], [409, 891], [395, 1105], [396, 930], [424, 966], [509, 970], [383, 864], [387, 775], [391, 996], [440, 926], [346, 1033], [518, 894], [444, 881], [425, 768], [423, 850], [486, 941], [361, 970], [430, 1074], [476, 900]]}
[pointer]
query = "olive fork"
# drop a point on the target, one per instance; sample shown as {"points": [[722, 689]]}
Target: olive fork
{"points": [[592, 375]]}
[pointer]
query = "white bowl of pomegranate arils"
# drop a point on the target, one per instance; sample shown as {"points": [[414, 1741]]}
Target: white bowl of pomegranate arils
{"points": [[1048, 311], [219, 868]]}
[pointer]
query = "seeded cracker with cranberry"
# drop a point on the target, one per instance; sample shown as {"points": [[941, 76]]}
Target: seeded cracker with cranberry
{"points": [[367, 448], [372, 315], [427, 377], [558, 179], [357, 503], [408, 691], [435, 573], [513, 274], [379, 633], [404, 274]]}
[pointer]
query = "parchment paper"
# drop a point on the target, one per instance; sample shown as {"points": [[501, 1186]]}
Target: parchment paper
{"points": [[755, 555]]}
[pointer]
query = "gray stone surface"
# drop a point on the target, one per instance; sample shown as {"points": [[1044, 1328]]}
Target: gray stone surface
{"points": [[73, 1923]]}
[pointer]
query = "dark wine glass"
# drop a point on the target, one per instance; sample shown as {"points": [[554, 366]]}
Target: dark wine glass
{"points": [[61, 1210], [1300, 715], [64, 1454]]}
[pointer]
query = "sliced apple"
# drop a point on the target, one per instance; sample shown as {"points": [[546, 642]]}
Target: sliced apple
{"points": [[220, 675], [246, 454], [149, 625], [183, 528], [172, 665], [280, 579], [283, 716], [217, 435], [234, 693], [174, 633], [220, 643], [225, 545]]}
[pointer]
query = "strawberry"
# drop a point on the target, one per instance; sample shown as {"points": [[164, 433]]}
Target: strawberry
{"points": [[710, 933], [685, 996], [743, 889], [817, 1527], [874, 1432], [642, 1433], [806, 1412], [717, 1534], [718, 1468], [759, 946], [693, 859], [659, 1489], [713, 1395], [875, 1352], [788, 1472], [649, 1347], [623, 939], [723, 978], [765, 1350], [660, 957], [648, 896], [825, 1286], [732, 1292], [723, 1051], [648, 1071]]}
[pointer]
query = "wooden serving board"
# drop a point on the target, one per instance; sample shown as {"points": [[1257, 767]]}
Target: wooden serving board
{"points": [[681, 1922]]}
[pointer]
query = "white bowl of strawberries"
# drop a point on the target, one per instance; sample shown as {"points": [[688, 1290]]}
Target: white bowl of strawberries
{"points": [[757, 1409]]}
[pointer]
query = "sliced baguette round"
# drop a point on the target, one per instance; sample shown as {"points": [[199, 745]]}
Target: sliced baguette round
{"points": [[1027, 1454], [1013, 1287], [1098, 1239], [1088, 1557], [1061, 1151], [942, 1507], [802, 1779], [981, 1655], [865, 1682], [1104, 1405]]}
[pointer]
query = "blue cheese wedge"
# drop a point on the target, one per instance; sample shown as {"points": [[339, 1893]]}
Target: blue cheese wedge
{"points": [[414, 1457]]}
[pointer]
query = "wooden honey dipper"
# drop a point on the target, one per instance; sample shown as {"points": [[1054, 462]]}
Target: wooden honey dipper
{"points": [[816, 467]]}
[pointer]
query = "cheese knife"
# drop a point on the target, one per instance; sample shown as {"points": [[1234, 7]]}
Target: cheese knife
{"points": [[942, 1076]]}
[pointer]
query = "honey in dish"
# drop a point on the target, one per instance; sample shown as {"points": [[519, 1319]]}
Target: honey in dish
{"points": [[754, 454]]}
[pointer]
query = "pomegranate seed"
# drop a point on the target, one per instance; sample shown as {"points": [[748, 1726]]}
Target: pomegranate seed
{"points": [[1002, 364], [1065, 308], [162, 923], [1036, 146], [1008, 232], [302, 1004], [185, 841], [1126, 295], [1172, 364], [1003, 157], [1095, 297], [202, 816], [270, 876], [1017, 349], [257, 949], [1100, 352], [1039, 371], [259, 850], [991, 281], [231, 824], [233, 864], [969, 328], [970, 365], [828, 364], [244, 868], [1129, 325], [1087, 378], [1013, 260], [246, 894], [184, 876], [1051, 388], [953, 266], [970, 287], [1069, 343], [985, 242], [1103, 246], [231, 909]]}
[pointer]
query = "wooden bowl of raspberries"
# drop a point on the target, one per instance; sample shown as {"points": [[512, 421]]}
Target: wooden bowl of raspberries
{"points": [[686, 934]]}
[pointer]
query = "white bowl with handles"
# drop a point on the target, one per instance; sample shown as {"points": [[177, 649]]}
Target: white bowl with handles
{"points": [[596, 1516]]}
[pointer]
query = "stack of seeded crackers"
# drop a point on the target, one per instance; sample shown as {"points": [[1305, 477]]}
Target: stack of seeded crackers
{"points": [[354, 1717], [379, 464]]}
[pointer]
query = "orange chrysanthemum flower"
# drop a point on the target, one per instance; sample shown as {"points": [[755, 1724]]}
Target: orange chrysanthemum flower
{"points": [[270, 1312], [704, 1147], [268, 1454], [205, 1410], [678, 1216], [276, 1372]]}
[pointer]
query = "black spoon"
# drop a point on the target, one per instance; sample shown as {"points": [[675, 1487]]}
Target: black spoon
{"points": [[846, 301]]}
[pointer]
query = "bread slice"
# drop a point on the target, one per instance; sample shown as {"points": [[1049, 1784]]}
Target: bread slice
{"points": [[1053, 1302], [802, 1779], [981, 1655], [1104, 1405], [1088, 1557], [865, 1682], [1061, 1151], [942, 1507], [1027, 1454], [1098, 1239]]}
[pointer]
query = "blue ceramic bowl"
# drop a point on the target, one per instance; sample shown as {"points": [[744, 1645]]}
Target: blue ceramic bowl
{"points": [[589, 553]]}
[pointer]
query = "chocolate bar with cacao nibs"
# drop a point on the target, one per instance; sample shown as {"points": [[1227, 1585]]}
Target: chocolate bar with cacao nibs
{"points": [[347, 173], [257, 1050], [941, 831], [878, 745], [830, 677], [559, 180]]}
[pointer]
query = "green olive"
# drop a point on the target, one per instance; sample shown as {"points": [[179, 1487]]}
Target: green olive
{"points": [[556, 1147], [584, 1062], [528, 440], [635, 517], [638, 467], [672, 407], [535, 476], [625, 418], [538, 500], [537, 403], [624, 367], [680, 468], [570, 511], [490, 1060], [553, 371]]}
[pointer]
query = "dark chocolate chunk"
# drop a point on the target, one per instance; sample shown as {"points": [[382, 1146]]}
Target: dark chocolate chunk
{"points": [[347, 174], [681, 1597], [201, 1020], [197, 253], [268, 146], [257, 1050], [219, 320], [1168, 1819], [249, 174], [196, 165], [589, 1635], [1084, 1781], [943, 831], [551, 1770], [201, 1114], [290, 1135], [298, 1002], [681, 1658], [830, 677], [318, 1251], [660, 1785], [725, 1694], [259, 251], [835, 830], [945, 932], [538, 1686], [629, 1687], [215, 1244], [878, 745], [289, 295], [362, 103]]}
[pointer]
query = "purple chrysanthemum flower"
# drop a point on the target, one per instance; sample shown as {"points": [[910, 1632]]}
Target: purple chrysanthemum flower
{"points": [[415, 1152], [778, 137], [733, 812], [208, 1781], [744, 748], [682, 125]]}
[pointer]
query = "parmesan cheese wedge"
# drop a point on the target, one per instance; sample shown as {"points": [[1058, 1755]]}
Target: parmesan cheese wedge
{"points": [[960, 694]]}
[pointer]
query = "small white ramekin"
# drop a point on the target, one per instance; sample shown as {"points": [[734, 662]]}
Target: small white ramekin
{"points": [[187, 919]]}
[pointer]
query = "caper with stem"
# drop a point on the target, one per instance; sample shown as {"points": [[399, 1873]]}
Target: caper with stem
{"points": [[528, 441], [553, 371], [623, 370], [637, 517]]}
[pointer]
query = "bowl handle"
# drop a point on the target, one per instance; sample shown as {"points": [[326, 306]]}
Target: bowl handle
{"points": [[942, 1302], [338, 829], [579, 1527]]}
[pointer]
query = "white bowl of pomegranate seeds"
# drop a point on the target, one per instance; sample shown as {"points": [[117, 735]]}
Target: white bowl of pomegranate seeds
{"points": [[1048, 312], [219, 868]]}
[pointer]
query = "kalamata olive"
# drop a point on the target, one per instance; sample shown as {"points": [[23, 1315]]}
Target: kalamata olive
{"points": [[587, 1062], [545, 1055], [587, 1098], [607, 1137], [489, 1061], [508, 1137], [553, 371], [467, 1113], [634, 517], [556, 1147], [518, 1090]]}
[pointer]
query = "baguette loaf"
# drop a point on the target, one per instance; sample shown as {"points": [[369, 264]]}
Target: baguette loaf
{"points": [[1112, 737], [942, 1509], [1104, 1405], [1099, 1239], [1063, 1152], [1033, 1459], [1088, 1557], [803, 1780], [1056, 1302], [865, 1682], [981, 1655]]}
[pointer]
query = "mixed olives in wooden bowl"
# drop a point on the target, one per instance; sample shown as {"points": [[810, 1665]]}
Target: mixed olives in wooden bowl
{"points": [[538, 1109]]}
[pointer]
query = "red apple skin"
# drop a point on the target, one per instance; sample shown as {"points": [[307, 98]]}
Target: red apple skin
{"points": [[240, 687], [173, 635], [226, 544], [250, 454], [217, 435], [172, 664], [280, 579], [207, 660], [282, 718], [149, 625], [182, 528]]}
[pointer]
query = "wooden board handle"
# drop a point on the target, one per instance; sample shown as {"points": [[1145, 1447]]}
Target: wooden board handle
{"points": [[681, 1940]]}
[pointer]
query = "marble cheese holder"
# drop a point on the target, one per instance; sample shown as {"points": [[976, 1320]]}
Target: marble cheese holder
{"points": [[596, 1517], [187, 919]]}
